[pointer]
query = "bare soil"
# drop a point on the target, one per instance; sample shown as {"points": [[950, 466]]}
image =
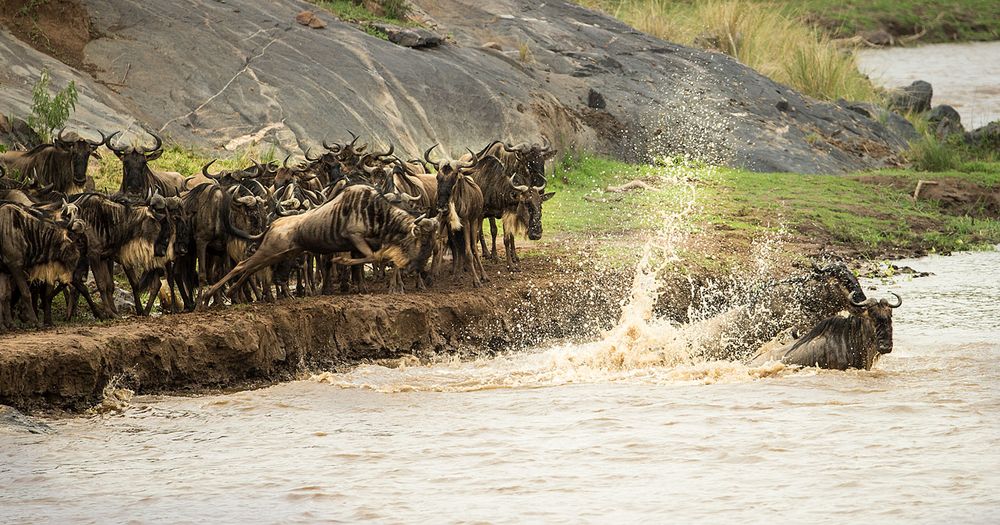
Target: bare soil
{"points": [[59, 28]]}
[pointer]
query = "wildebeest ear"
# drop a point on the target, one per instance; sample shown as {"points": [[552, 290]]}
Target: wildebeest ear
{"points": [[548, 196], [154, 155]]}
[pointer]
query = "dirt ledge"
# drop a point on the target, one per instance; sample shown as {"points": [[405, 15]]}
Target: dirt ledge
{"points": [[68, 368]]}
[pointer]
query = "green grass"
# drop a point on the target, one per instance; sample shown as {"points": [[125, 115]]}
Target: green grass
{"points": [[349, 11], [108, 173], [943, 20], [845, 210]]}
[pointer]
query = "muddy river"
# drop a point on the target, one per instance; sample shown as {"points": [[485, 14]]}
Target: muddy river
{"points": [[966, 76], [624, 429]]}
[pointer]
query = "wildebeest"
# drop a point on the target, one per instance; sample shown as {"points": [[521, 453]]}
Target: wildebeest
{"points": [[137, 237], [137, 177], [35, 249], [360, 219], [61, 164], [513, 186], [460, 209], [855, 338]]}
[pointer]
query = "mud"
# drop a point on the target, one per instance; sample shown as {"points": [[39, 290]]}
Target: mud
{"points": [[59, 29], [69, 368]]}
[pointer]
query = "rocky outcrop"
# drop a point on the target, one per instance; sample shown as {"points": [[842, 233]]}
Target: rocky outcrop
{"points": [[217, 74], [915, 98]]}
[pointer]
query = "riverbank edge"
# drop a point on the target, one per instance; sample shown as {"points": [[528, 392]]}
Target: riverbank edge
{"points": [[73, 368]]}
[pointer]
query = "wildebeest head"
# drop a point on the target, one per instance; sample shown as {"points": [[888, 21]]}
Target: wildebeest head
{"points": [[532, 158], [80, 149], [879, 313], [181, 224], [158, 208], [448, 173], [135, 160], [423, 231], [529, 206]]}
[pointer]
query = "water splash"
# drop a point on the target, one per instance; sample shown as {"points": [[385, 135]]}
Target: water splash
{"points": [[641, 347]]}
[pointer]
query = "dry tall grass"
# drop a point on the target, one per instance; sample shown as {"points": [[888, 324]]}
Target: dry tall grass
{"points": [[767, 37]]}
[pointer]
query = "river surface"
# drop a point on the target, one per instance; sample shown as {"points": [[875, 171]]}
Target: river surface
{"points": [[966, 76], [619, 430]]}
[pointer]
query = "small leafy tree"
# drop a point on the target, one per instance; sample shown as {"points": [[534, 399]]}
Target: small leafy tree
{"points": [[50, 112]]}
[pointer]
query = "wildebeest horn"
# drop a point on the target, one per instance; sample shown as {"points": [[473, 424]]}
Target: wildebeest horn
{"points": [[59, 136], [387, 153], [284, 163], [310, 159], [542, 187], [204, 170], [867, 302], [515, 186], [334, 147], [473, 162], [104, 139], [427, 156], [42, 190], [158, 143], [899, 301], [546, 145], [407, 197], [110, 140]]}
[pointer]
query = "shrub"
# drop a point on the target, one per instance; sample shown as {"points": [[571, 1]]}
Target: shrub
{"points": [[50, 112]]}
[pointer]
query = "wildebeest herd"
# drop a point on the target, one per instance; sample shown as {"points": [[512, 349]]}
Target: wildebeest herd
{"points": [[349, 215]]}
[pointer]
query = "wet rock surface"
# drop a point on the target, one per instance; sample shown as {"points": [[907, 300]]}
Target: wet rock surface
{"points": [[214, 74]]}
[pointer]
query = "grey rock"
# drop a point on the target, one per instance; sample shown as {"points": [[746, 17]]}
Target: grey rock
{"points": [[916, 97], [207, 76], [946, 120], [878, 37], [987, 136], [13, 420], [596, 100], [415, 37], [783, 106], [890, 119], [15, 133]]}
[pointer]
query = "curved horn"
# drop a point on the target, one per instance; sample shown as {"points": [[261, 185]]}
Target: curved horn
{"points": [[865, 303], [899, 301], [204, 170], [284, 163], [546, 145], [111, 139], [515, 186], [104, 139], [335, 148], [407, 197], [542, 187], [353, 142], [387, 153], [157, 143], [45, 189], [310, 159], [427, 156], [473, 162], [59, 136]]}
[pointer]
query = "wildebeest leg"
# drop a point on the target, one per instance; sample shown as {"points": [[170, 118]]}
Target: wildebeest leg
{"points": [[6, 319], [475, 254], [154, 290], [136, 290], [21, 282], [508, 245], [105, 285], [81, 289], [45, 296], [202, 275], [470, 253], [246, 268], [493, 235]]}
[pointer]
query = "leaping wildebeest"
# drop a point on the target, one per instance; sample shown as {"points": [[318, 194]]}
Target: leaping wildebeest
{"points": [[854, 338], [359, 220]]}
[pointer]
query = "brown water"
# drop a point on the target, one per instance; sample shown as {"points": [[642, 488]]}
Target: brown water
{"points": [[966, 76], [629, 428]]}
